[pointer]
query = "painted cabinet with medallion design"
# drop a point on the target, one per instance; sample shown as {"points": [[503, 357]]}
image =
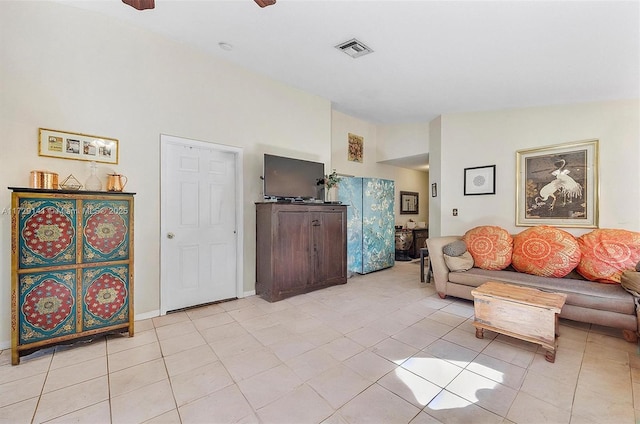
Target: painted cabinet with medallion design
{"points": [[72, 266]]}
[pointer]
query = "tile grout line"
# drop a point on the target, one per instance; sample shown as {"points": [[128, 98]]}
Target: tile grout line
{"points": [[35, 411]]}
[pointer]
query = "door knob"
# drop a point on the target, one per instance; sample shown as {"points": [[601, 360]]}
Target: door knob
{"points": [[170, 235]]}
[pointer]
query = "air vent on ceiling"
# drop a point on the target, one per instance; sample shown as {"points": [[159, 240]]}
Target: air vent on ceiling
{"points": [[354, 48]]}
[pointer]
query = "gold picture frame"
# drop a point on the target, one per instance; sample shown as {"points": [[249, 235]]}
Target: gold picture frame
{"points": [[67, 145], [558, 185], [356, 148]]}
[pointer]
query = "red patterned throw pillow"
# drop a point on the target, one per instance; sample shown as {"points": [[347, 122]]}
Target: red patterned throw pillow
{"points": [[490, 246], [545, 251], [606, 253]]}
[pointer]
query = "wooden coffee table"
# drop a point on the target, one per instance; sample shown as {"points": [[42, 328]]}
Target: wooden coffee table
{"points": [[521, 312]]}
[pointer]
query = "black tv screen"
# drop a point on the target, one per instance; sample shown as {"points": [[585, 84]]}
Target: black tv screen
{"points": [[292, 178]]}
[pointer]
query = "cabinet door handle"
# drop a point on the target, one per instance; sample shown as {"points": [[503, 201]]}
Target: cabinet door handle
{"points": [[170, 235], [315, 223]]}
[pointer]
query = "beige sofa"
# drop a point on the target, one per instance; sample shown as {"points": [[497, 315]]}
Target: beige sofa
{"points": [[596, 303]]}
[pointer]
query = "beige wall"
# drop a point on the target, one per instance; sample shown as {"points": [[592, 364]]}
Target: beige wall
{"points": [[73, 70], [435, 176], [492, 138], [414, 139], [405, 179]]}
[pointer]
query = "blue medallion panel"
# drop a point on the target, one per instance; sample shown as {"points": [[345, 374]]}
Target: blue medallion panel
{"points": [[105, 296], [106, 230], [47, 232], [370, 223], [47, 305]]}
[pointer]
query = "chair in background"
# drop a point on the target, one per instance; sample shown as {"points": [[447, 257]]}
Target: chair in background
{"points": [[425, 263]]}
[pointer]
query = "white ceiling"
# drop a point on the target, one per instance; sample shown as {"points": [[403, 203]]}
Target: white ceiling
{"points": [[430, 57]]}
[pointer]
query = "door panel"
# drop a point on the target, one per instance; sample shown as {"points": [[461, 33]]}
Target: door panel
{"points": [[292, 264], [329, 248], [189, 266], [189, 204], [217, 202]]}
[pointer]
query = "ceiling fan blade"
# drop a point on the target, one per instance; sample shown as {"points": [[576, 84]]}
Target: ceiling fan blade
{"points": [[140, 4], [265, 3]]}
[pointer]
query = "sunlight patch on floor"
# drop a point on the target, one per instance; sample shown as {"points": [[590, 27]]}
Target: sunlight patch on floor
{"points": [[432, 370]]}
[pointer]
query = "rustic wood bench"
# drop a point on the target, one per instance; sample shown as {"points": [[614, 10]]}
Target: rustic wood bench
{"points": [[521, 312]]}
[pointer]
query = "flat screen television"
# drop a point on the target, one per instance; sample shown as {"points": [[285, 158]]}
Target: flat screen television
{"points": [[286, 178]]}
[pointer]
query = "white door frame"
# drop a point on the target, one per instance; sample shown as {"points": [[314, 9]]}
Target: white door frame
{"points": [[238, 155]]}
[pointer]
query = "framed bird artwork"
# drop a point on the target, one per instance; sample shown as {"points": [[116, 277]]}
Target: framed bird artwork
{"points": [[558, 185]]}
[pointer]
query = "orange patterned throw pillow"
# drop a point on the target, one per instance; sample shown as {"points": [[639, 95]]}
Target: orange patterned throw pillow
{"points": [[545, 251], [490, 246], [606, 253]]}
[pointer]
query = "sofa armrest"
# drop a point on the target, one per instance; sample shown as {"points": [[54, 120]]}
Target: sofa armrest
{"points": [[436, 258]]}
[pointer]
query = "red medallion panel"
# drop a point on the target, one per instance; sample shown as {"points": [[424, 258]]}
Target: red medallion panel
{"points": [[47, 235], [105, 296], [47, 305], [106, 228]]}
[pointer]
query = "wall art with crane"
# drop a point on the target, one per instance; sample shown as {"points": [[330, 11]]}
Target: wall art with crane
{"points": [[558, 185]]}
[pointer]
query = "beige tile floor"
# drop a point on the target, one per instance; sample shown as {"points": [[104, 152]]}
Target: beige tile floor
{"points": [[383, 348]]}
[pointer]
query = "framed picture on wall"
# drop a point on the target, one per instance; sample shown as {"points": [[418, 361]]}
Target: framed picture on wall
{"points": [[480, 180], [558, 185], [408, 203], [356, 148], [66, 145]]}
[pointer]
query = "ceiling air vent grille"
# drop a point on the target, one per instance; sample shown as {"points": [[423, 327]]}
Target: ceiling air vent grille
{"points": [[354, 48]]}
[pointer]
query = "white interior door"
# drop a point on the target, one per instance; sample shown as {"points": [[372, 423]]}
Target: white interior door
{"points": [[200, 237]]}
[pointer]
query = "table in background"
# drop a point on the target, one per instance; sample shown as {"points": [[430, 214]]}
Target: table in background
{"points": [[424, 255], [420, 236]]}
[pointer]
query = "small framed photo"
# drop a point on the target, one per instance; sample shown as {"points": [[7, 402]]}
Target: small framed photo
{"points": [[66, 145], [480, 180], [408, 203]]}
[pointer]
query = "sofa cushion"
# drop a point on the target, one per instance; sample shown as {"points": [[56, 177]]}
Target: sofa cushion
{"points": [[630, 281], [581, 293], [455, 248], [490, 246], [459, 263], [608, 252], [545, 251]]}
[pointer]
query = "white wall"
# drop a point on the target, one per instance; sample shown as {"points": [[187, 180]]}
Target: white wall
{"points": [[435, 177], [70, 69], [405, 179], [413, 137], [492, 138]]}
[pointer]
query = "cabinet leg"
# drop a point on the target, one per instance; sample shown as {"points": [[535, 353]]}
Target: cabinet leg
{"points": [[550, 356], [480, 333], [15, 357]]}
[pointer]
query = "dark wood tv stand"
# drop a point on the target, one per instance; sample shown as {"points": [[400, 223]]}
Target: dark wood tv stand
{"points": [[300, 247]]}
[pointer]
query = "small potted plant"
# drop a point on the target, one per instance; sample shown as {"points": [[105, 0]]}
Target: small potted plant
{"points": [[331, 183]]}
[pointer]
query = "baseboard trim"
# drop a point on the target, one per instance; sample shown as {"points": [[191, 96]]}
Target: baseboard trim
{"points": [[147, 315]]}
